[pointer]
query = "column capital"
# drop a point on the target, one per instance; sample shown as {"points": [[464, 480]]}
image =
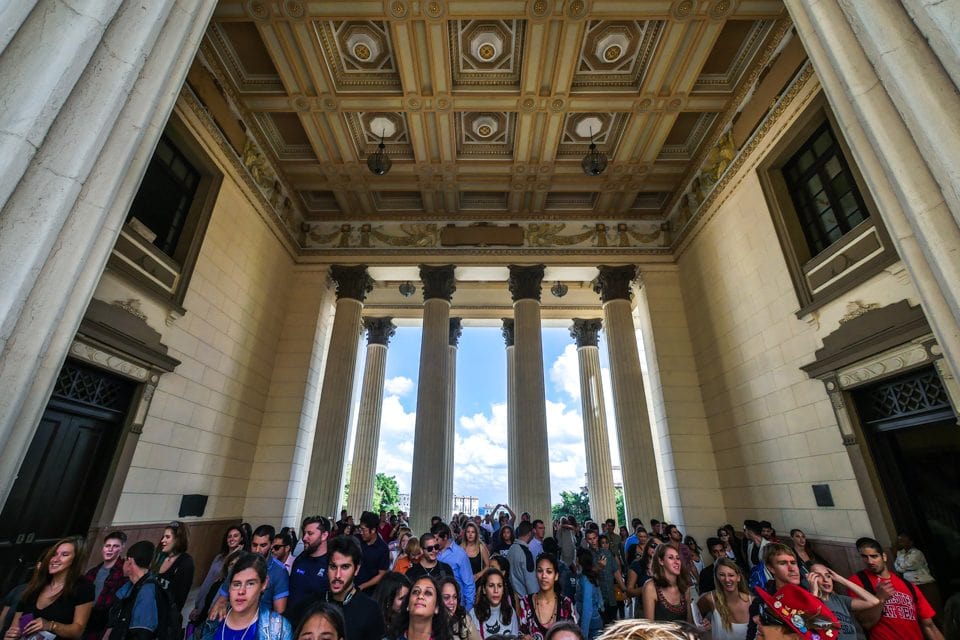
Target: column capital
{"points": [[613, 282], [352, 281], [507, 331], [438, 281], [584, 331], [456, 330], [525, 281], [379, 330]]}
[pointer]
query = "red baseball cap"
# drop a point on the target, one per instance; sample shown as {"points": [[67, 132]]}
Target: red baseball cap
{"points": [[801, 611]]}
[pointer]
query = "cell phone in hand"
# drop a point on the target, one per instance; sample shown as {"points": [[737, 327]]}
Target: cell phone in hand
{"points": [[25, 619]]}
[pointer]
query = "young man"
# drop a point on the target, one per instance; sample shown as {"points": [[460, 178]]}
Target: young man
{"points": [[308, 576], [361, 613], [454, 555], [717, 551], [139, 614], [107, 577], [753, 548], [523, 562], [277, 590], [539, 533], [781, 561], [376, 553], [429, 565], [282, 549], [903, 613], [616, 543]]}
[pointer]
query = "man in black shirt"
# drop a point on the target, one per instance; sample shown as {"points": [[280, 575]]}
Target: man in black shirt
{"points": [[360, 611], [429, 565], [308, 575], [717, 551], [376, 554]]}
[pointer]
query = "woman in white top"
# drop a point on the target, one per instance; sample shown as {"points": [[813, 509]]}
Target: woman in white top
{"points": [[727, 608]]}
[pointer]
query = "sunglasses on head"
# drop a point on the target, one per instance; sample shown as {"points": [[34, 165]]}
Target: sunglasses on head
{"points": [[432, 547]]}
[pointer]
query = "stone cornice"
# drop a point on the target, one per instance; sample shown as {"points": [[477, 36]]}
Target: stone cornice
{"points": [[352, 282], [613, 283], [438, 281], [526, 281], [585, 331], [379, 330]]}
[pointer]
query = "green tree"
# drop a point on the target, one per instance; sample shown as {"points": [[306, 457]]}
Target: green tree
{"points": [[386, 493], [621, 510], [578, 505]]}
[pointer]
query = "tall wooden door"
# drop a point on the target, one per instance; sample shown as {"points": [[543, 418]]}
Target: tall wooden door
{"points": [[63, 474]]}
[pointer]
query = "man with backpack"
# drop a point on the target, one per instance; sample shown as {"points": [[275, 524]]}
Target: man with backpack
{"points": [[903, 613], [143, 608]]}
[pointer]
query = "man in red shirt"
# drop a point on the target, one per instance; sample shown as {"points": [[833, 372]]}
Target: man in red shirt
{"points": [[903, 613]]}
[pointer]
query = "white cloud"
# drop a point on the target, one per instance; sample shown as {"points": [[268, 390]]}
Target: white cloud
{"points": [[394, 419], [494, 426], [398, 386], [565, 372]]}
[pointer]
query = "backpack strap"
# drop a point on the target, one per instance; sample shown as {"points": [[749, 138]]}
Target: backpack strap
{"points": [[529, 557], [865, 582]]}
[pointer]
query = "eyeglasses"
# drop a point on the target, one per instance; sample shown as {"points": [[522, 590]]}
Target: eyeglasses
{"points": [[277, 547], [432, 547]]}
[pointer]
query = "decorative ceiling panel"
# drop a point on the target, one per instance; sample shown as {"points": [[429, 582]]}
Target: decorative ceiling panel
{"points": [[359, 55], [320, 202], [735, 50], [579, 129], [485, 135], [615, 55], [571, 201], [398, 200], [686, 136], [366, 130], [286, 135], [483, 200], [245, 57], [486, 54]]}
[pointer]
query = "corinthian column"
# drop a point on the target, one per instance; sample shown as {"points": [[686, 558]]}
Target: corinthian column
{"points": [[641, 484], [532, 457], [456, 330], [430, 436], [325, 475], [603, 502], [363, 471], [513, 483]]}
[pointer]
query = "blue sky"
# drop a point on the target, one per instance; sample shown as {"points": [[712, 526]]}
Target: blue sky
{"points": [[480, 448]]}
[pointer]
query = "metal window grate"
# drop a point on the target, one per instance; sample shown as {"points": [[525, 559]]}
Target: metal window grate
{"points": [[919, 395], [91, 387]]}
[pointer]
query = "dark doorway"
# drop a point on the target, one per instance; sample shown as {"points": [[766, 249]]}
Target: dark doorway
{"points": [[63, 473], [914, 437]]}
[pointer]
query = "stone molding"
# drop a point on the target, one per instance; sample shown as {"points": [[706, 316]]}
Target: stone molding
{"points": [[614, 282], [890, 362], [507, 331], [585, 331], [112, 362], [456, 330], [438, 281], [352, 282], [526, 282], [379, 330]]}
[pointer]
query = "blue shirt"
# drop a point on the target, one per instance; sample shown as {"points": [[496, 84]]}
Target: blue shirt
{"points": [[144, 614], [278, 584], [457, 558]]}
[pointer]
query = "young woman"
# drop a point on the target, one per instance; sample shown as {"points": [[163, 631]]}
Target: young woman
{"points": [[540, 611], [476, 550], [821, 579], [424, 617], [245, 620], [197, 617], [461, 624], [665, 595], [233, 540], [641, 569], [504, 540], [728, 607], [492, 613], [731, 546], [57, 599], [174, 566], [695, 550], [588, 600], [411, 555], [400, 537], [322, 621], [391, 593], [804, 548], [501, 564]]}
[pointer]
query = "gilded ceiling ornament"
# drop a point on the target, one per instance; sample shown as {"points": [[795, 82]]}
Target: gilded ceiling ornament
{"points": [[258, 10], [558, 104], [397, 8], [720, 9], [294, 9], [528, 104], [675, 103], [644, 104], [719, 158], [443, 102], [681, 9], [434, 9], [301, 103], [414, 103], [538, 9], [577, 9], [330, 104]]}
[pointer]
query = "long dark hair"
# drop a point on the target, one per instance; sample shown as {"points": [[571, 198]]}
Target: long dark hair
{"points": [[482, 605], [587, 567], [387, 590], [440, 625], [458, 620], [41, 577], [244, 541]]}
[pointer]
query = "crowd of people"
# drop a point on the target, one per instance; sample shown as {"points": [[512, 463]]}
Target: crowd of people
{"points": [[473, 578]]}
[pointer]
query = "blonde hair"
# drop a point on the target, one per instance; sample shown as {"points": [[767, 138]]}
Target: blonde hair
{"points": [[413, 547], [720, 600], [642, 629]]}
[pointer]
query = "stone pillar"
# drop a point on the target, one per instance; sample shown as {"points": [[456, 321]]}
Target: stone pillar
{"points": [[325, 475], [596, 443], [513, 483], [638, 460], [533, 456], [456, 330], [80, 124], [430, 437], [363, 470], [896, 102]]}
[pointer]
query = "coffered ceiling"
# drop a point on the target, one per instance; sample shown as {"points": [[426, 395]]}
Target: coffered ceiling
{"points": [[486, 108]]}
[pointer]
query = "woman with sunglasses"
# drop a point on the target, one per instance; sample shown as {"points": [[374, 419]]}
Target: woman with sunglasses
{"points": [[173, 565], [822, 580]]}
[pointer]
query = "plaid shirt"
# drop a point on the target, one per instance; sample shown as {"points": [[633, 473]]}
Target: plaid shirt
{"points": [[108, 595]]}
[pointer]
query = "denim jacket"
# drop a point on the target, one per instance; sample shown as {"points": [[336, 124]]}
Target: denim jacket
{"points": [[270, 626]]}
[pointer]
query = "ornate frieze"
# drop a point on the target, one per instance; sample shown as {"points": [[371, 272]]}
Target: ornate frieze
{"points": [[456, 330], [507, 331], [885, 364], [585, 331], [525, 281], [613, 283], [352, 281], [379, 330], [438, 281]]}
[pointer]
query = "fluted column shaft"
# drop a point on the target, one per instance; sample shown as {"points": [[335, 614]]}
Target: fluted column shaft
{"points": [[596, 442], [638, 461], [430, 436], [448, 466], [513, 482], [533, 456], [363, 470], [325, 475]]}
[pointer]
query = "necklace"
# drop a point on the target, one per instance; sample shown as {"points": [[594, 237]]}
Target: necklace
{"points": [[243, 636], [537, 602]]}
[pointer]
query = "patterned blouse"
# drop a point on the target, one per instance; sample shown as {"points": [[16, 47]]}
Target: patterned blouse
{"points": [[531, 625]]}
